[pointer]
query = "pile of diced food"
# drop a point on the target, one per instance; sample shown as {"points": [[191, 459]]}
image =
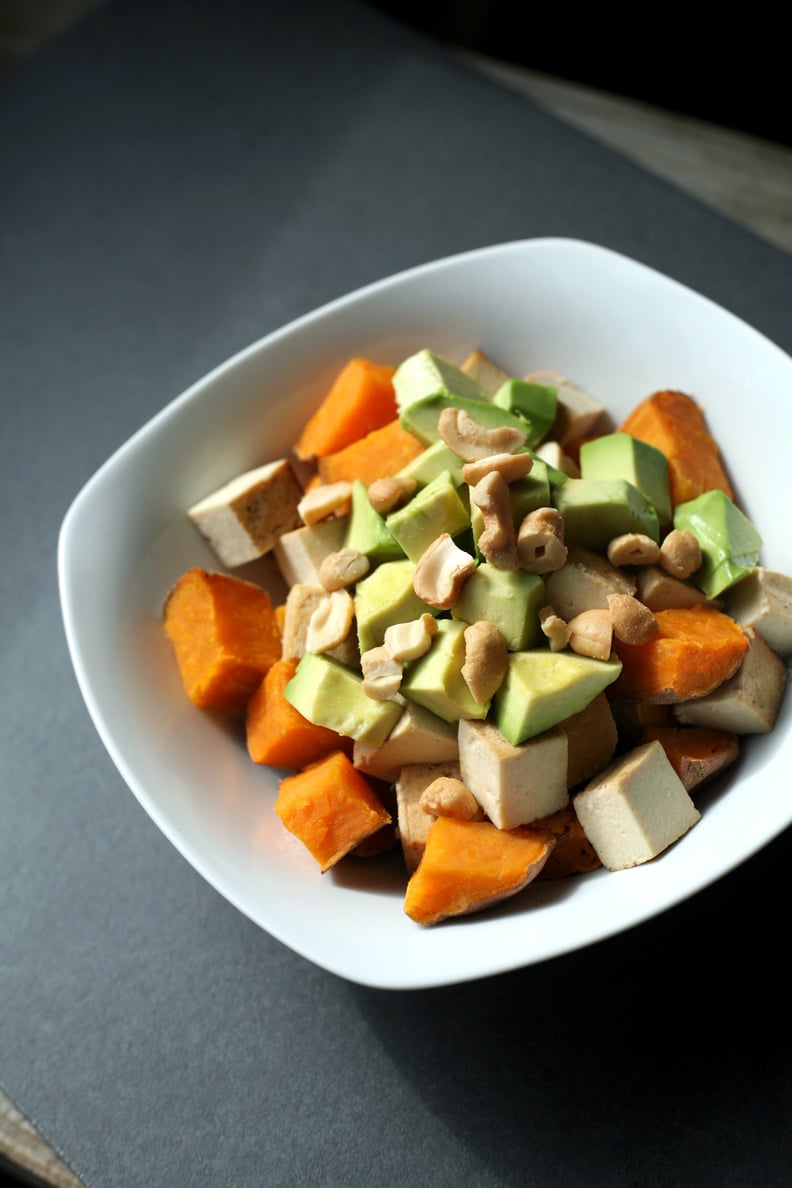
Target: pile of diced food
{"points": [[516, 641]]}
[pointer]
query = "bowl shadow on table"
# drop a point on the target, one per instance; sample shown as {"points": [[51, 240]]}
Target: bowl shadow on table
{"points": [[626, 1046]]}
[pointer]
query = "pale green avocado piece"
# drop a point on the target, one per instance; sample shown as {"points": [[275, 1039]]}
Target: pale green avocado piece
{"points": [[619, 455], [434, 459], [537, 403], [729, 542], [509, 598], [436, 682], [426, 374], [384, 597], [596, 510], [433, 510], [366, 529], [542, 688], [330, 694], [421, 417]]}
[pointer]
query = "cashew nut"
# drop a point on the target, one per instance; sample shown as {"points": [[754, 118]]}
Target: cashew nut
{"points": [[633, 548], [680, 553], [447, 797], [441, 572], [633, 623], [469, 440], [409, 641], [387, 494], [323, 501], [498, 541], [540, 541], [555, 628], [486, 659], [511, 466], [591, 634], [382, 675], [343, 568], [330, 622]]}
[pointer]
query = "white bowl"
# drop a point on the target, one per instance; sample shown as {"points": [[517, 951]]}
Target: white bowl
{"points": [[616, 327]]}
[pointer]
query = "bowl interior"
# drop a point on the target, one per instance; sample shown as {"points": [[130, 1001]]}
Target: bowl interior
{"points": [[618, 329]]}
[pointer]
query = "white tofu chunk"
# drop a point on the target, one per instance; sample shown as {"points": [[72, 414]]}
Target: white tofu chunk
{"points": [[514, 785], [413, 823], [299, 553], [635, 809], [245, 518], [578, 412], [419, 736], [486, 373], [763, 600], [301, 602], [660, 591], [591, 740], [584, 583], [748, 703], [553, 454]]}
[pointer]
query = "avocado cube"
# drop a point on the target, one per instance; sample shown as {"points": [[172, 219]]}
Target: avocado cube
{"points": [[596, 510], [421, 417], [434, 459], [537, 403], [509, 598], [436, 682], [330, 694], [366, 529], [621, 456], [728, 540], [542, 688], [427, 374], [433, 510], [384, 597]]}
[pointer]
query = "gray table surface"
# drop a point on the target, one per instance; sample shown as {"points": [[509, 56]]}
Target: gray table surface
{"points": [[172, 189]]}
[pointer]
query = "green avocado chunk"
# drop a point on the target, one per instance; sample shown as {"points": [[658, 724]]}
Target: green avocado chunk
{"points": [[432, 461], [384, 597], [509, 598], [436, 682], [537, 403], [542, 688], [596, 510], [421, 417], [728, 540], [621, 456], [426, 374], [366, 529], [435, 509], [330, 694]]}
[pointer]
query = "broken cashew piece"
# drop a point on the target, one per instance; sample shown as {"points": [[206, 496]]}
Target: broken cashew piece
{"points": [[540, 541], [387, 494], [511, 466], [680, 553], [470, 441], [343, 568], [486, 659], [323, 501], [633, 548], [498, 541], [441, 572], [633, 623], [409, 641], [447, 797], [591, 634], [382, 675], [555, 628], [330, 622]]}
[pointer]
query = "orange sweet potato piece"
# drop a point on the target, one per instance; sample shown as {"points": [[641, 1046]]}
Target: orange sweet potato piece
{"points": [[573, 853], [277, 733], [674, 424], [330, 807], [696, 753], [225, 636], [361, 399], [377, 455], [470, 865], [694, 651]]}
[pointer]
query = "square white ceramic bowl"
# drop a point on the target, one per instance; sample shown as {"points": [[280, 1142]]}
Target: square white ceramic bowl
{"points": [[616, 327]]}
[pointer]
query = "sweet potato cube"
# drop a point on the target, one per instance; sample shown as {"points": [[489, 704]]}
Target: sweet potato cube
{"points": [[277, 733], [225, 636], [330, 807]]}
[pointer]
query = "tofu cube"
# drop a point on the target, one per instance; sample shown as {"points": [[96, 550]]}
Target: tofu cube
{"points": [[763, 600], [514, 784], [246, 517], [299, 553], [413, 823], [748, 703], [636, 808]]}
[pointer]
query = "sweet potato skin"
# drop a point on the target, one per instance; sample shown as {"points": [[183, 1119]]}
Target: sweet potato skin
{"points": [[695, 650], [330, 807], [696, 753], [361, 399], [470, 865], [225, 637]]}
